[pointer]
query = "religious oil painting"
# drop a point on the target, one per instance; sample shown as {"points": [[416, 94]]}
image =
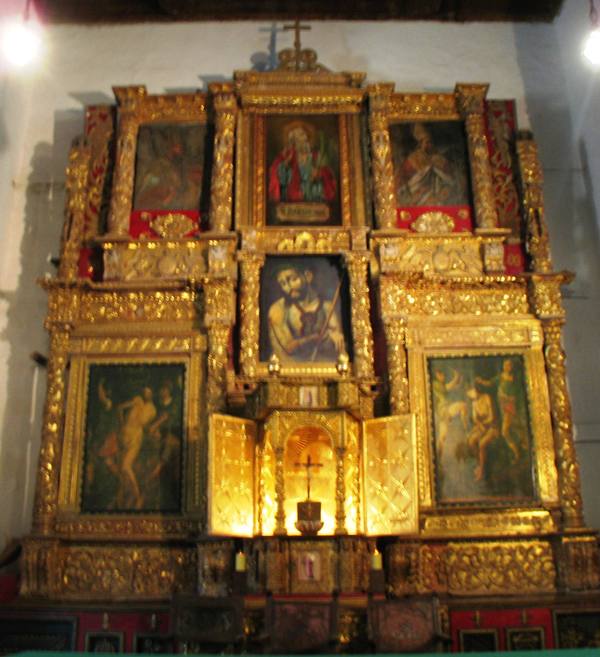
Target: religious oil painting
{"points": [[525, 638], [304, 310], [577, 629], [303, 171], [134, 433], [105, 642], [431, 168], [170, 167], [481, 431], [480, 640]]}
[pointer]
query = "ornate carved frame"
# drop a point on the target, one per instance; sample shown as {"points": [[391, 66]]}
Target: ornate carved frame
{"points": [[94, 349], [466, 104], [457, 337], [137, 107]]}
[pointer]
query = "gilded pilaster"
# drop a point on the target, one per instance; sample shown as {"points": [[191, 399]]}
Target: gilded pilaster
{"points": [[395, 333], [560, 409], [219, 318], [221, 197], [532, 180], [340, 492], [99, 131], [470, 100], [46, 498], [381, 152], [251, 264], [280, 529], [120, 203], [358, 268], [74, 226]]}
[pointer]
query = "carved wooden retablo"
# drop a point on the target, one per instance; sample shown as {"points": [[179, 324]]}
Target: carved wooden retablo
{"points": [[290, 268]]}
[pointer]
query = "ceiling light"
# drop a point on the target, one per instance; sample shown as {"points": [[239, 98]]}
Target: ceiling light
{"points": [[21, 40], [591, 48]]}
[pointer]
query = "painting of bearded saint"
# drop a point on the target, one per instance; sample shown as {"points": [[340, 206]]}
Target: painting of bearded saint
{"points": [[304, 310], [133, 439], [430, 164], [303, 170]]}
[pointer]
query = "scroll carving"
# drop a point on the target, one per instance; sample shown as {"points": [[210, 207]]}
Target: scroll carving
{"points": [[249, 314], [395, 333]]}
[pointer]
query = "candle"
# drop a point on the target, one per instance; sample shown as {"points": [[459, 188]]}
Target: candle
{"points": [[376, 560], [240, 562]]}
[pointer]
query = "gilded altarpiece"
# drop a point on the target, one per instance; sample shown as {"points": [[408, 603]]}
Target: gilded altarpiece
{"points": [[271, 381]]}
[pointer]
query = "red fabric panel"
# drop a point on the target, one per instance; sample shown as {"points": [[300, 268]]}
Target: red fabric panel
{"points": [[514, 258], [501, 620], [129, 624]]}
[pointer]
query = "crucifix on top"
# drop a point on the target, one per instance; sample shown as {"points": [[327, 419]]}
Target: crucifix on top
{"points": [[297, 58]]}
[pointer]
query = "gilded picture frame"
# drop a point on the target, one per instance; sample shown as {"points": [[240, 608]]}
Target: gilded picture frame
{"points": [[351, 281], [132, 451], [304, 310], [465, 106], [139, 110], [450, 342], [478, 640], [525, 638], [327, 112]]}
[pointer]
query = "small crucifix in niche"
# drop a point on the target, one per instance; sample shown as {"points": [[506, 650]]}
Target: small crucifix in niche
{"points": [[309, 512], [308, 465]]}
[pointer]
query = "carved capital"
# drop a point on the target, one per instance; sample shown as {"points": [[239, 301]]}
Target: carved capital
{"points": [[470, 98]]}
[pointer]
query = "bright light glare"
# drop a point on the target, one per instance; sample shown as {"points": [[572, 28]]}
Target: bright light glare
{"points": [[21, 43], [591, 49]]}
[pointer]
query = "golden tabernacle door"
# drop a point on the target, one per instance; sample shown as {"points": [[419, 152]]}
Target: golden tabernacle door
{"points": [[363, 475], [391, 502]]}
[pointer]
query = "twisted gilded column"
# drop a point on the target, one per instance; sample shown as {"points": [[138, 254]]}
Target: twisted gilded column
{"points": [[280, 529], [560, 408], [532, 180], [250, 264], [221, 196], [357, 264], [74, 226], [381, 156], [46, 492], [340, 492], [470, 100], [219, 317], [395, 335]]}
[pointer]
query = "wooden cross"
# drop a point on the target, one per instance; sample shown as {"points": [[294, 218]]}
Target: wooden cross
{"points": [[297, 48], [308, 465]]}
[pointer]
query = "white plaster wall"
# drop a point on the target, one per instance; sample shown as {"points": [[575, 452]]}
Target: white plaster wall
{"points": [[41, 114]]}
